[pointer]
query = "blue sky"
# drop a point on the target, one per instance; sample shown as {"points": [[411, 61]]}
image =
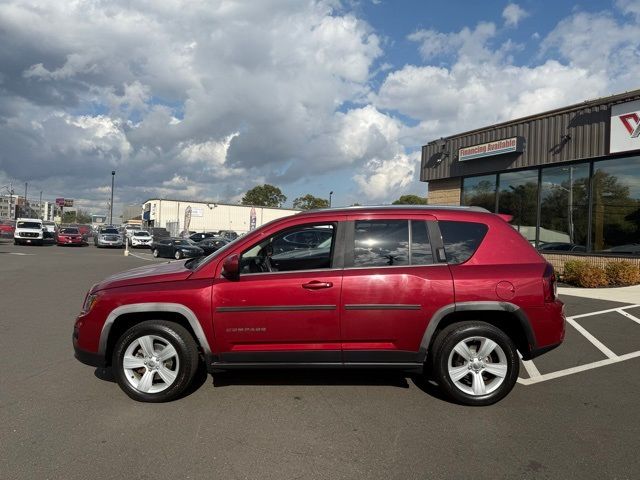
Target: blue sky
{"points": [[204, 99]]}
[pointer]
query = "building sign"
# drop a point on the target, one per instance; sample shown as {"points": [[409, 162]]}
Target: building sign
{"points": [[625, 127], [252, 219], [196, 212], [60, 202], [499, 147], [68, 202], [98, 219]]}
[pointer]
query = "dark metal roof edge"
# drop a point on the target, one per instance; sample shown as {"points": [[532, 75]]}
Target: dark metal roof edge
{"points": [[215, 203], [630, 95]]}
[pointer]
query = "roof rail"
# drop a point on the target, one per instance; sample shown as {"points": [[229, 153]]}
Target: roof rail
{"points": [[403, 207]]}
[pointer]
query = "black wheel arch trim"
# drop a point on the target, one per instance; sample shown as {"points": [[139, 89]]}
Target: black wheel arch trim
{"points": [[486, 306], [178, 308]]}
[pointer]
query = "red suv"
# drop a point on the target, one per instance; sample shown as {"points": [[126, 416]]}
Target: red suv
{"points": [[454, 292]]}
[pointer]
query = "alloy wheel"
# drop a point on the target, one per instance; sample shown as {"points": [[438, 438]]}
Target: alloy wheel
{"points": [[477, 366], [150, 364]]}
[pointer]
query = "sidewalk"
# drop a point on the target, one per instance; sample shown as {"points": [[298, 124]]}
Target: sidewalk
{"points": [[619, 294]]}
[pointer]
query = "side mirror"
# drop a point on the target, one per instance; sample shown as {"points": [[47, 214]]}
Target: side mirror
{"points": [[231, 267]]}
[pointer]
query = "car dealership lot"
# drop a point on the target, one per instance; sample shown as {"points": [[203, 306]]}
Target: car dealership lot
{"points": [[61, 419]]}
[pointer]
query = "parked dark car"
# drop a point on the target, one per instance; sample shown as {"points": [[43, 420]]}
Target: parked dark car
{"points": [[210, 245], [176, 248], [228, 234], [198, 237], [158, 232], [561, 247], [454, 293]]}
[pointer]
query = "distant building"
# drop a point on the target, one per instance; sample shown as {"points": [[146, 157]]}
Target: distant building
{"points": [[131, 212], [179, 215], [32, 209]]}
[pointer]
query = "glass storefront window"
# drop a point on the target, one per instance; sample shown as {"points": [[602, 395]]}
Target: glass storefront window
{"points": [[564, 211], [480, 192], [518, 196], [616, 206]]}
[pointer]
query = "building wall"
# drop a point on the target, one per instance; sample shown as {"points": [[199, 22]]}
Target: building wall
{"points": [[444, 192], [572, 133], [170, 214]]}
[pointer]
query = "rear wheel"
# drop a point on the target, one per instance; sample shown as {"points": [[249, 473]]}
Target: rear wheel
{"points": [[475, 363], [155, 361]]}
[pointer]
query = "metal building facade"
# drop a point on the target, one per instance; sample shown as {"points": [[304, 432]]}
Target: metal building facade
{"points": [[573, 133]]}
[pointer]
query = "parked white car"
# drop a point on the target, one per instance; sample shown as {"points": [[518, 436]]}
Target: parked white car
{"points": [[28, 231], [141, 238]]}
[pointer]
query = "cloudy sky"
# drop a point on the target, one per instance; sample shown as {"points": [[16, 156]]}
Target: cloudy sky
{"points": [[207, 98]]}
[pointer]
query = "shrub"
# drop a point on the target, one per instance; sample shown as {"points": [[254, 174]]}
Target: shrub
{"points": [[622, 273], [583, 274]]}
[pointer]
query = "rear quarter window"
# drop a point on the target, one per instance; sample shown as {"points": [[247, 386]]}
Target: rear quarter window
{"points": [[461, 239]]}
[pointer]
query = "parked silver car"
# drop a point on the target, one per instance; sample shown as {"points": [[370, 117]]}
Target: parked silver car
{"points": [[108, 237]]}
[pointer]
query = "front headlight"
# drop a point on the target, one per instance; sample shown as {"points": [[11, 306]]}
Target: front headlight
{"points": [[89, 302]]}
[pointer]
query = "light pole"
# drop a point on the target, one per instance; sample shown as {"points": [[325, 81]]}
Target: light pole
{"points": [[40, 205], [26, 184], [113, 179], [330, 195]]}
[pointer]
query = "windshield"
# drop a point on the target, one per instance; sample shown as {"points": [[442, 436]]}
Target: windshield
{"points": [[37, 225], [69, 230], [183, 242], [110, 231], [141, 234]]}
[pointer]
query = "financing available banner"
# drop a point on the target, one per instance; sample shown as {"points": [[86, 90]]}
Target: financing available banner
{"points": [[489, 149]]}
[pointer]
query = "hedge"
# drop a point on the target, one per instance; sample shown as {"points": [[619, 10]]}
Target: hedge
{"points": [[614, 274]]}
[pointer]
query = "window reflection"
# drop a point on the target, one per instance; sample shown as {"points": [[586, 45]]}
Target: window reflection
{"points": [[421, 253], [616, 206], [381, 243], [480, 192], [518, 196], [564, 208]]}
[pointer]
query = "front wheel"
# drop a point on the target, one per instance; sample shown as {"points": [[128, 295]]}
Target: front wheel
{"points": [[475, 363], [155, 361], [156, 253], [178, 255]]}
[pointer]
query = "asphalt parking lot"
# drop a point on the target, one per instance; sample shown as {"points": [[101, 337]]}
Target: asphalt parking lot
{"points": [[574, 413]]}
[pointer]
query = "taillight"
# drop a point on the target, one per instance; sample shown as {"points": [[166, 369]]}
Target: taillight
{"points": [[549, 284]]}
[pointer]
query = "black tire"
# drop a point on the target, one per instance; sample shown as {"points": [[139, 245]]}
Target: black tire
{"points": [[15, 242], [177, 255], [444, 345], [175, 335], [156, 253]]}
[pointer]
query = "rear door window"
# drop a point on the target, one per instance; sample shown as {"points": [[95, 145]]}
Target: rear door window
{"points": [[461, 239], [381, 243]]}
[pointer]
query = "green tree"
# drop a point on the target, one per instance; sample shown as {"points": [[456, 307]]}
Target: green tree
{"points": [[410, 200], [264, 196], [309, 202], [79, 216]]}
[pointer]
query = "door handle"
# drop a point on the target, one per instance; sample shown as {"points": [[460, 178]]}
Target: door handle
{"points": [[317, 285]]}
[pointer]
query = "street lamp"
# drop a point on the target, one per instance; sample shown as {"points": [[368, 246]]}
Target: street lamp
{"points": [[330, 195], [113, 178]]}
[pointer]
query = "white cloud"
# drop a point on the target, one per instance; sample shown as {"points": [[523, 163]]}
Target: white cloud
{"points": [[512, 14], [389, 177]]}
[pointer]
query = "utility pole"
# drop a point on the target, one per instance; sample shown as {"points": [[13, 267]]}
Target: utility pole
{"points": [[113, 178], [25, 196], [40, 204]]}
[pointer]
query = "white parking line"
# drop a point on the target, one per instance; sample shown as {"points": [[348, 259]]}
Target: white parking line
{"points": [[578, 369], [596, 343], [536, 377], [629, 316]]}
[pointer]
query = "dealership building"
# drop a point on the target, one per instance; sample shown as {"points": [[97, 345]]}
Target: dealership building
{"points": [[178, 216], [569, 177]]}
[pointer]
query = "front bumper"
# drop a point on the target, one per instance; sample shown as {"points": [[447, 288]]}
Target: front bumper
{"points": [[110, 243], [92, 359], [141, 243]]}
